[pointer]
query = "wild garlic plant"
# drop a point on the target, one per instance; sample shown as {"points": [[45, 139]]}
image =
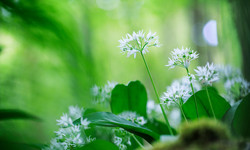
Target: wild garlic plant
{"points": [[70, 136], [178, 93], [207, 75], [122, 138], [139, 43], [182, 58], [235, 85]]}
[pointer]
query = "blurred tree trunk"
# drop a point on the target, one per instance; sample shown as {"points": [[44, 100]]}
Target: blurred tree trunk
{"points": [[241, 11]]}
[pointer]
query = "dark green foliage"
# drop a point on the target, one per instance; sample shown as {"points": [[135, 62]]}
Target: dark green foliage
{"points": [[6, 114], [238, 117], [110, 120], [158, 127], [220, 105], [129, 98]]}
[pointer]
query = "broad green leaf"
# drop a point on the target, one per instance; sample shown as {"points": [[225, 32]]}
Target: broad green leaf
{"points": [[6, 114], [98, 145], [229, 115], [111, 120], [12, 145], [129, 98], [241, 120], [158, 127], [220, 105]]}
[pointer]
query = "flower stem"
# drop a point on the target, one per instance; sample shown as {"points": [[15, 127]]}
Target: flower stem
{"points": [[195, 101], [157, 96], [139, 143], [182, 112], [210, 103]]}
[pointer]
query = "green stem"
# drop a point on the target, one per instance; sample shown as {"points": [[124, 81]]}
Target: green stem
{"points": [[183, 114], [209, 100], [157, 96], [195, 101], [139, 143]]}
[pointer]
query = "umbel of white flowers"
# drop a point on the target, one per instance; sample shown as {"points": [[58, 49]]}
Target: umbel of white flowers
{"points": [[69, 135], [138, 42], [179, 91], [235, 85], [182, 57], [122, 138], [102, 95], [207, 74]]}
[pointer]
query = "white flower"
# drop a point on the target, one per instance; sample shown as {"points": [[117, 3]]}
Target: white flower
{"points": [[90, 139], [85, 123], [121, 136], [75, 112], [69, 135], [95, 90], [138, 42], [122, 147], [182, 57], [176, 93], [103, 94], [153, 109], [235, 85], [207, 74], [141, 120], [65, 121], [128, 115], [117, 140]]}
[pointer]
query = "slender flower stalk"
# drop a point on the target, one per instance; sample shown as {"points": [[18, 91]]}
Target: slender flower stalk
{"points": [[207, 75], [157, 96], [138, 142], [183, 114], [182, 58], [191, 85], [139, 43], [209, 100]]}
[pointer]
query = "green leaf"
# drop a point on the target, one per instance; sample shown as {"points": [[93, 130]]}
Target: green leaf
{"points": [[111, 120], [229, 115], [158, 127], [129, 98], [220, 105], [6, 114], [241, 119], [99, 144]]}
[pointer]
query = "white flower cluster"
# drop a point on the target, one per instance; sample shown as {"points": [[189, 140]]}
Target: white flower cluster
{"points": [[138, 42], [182, 57], [69, 135], [122, 137], [235, 85], [179, 91], [207, 74], [103, 94], [153, 109], [133, 117]]}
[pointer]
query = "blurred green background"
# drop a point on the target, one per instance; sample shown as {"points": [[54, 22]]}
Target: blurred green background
{"points": [[53, 51]]}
